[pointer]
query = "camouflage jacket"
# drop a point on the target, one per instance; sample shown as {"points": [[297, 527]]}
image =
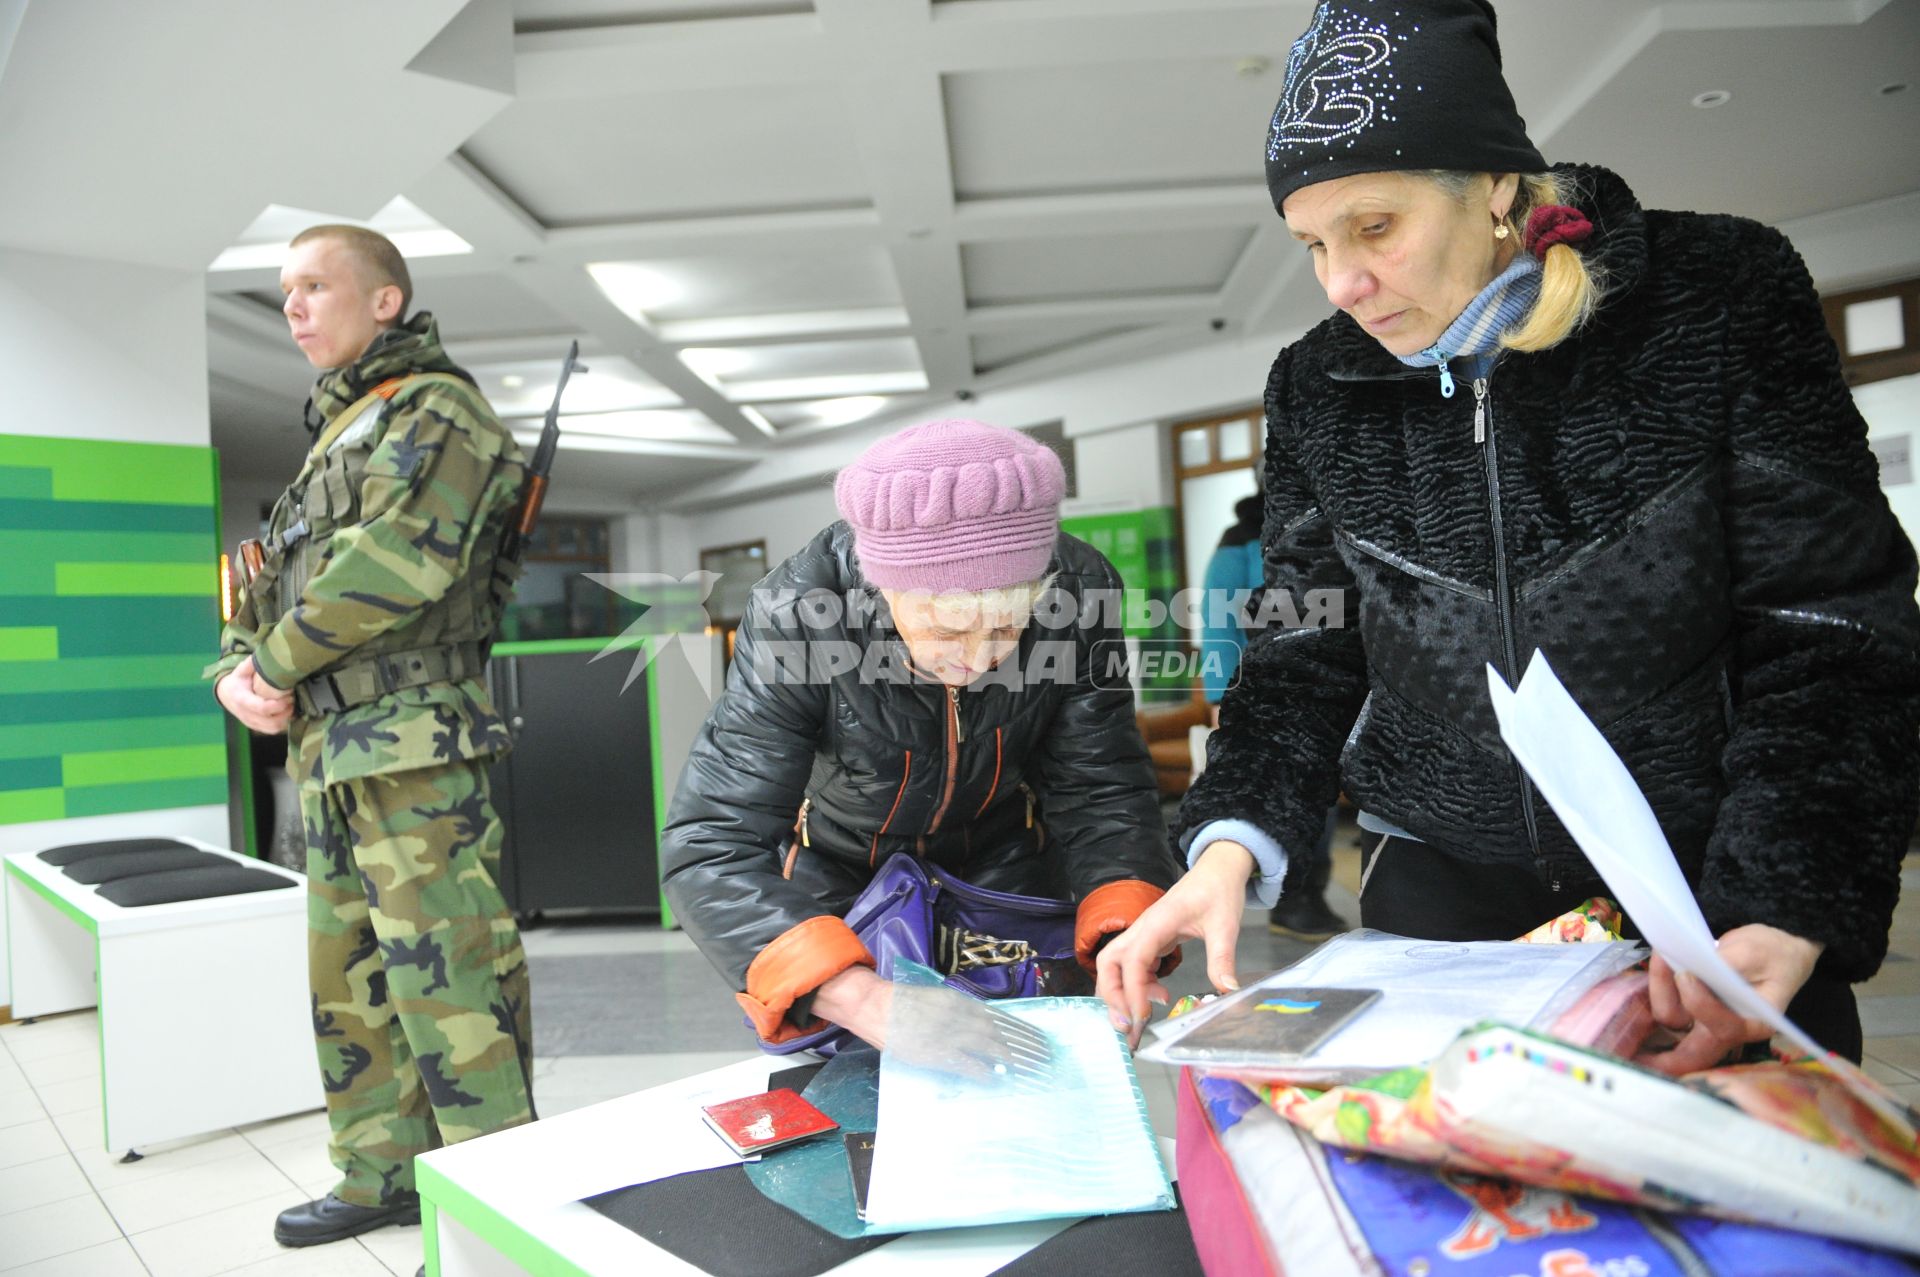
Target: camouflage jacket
{"points": [[405, 517]]}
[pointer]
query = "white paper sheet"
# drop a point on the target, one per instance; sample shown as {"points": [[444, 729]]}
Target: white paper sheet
{"points": [[1596, 798], [949, 1151], [1430, 991], [636, 1139]]}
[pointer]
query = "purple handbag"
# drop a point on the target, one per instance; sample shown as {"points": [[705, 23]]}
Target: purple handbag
{"points": [[989, 944]]}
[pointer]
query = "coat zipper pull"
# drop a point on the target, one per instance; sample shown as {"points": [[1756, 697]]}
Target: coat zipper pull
{"points": [[953, 700], [1446, 379], [1479, 409], [805, 803], [1029, 794]]}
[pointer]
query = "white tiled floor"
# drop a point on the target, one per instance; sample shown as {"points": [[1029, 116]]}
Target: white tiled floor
{"points": [[205, 1206], [190, 1208]]}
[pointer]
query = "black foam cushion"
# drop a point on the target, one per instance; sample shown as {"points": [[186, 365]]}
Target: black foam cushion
{"points": [[129, 864], [171, 885], [85, 850]]}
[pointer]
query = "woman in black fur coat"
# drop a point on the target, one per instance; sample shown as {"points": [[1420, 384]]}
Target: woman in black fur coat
{"points": [[1545, 417]]}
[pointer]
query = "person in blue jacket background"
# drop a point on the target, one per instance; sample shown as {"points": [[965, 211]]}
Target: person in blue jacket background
{"points": [[1235, 567]]}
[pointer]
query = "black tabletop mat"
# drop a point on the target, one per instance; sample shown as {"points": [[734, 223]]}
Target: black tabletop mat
{"points": [[793, 1079], [720, 1223], [1147, 1244]]}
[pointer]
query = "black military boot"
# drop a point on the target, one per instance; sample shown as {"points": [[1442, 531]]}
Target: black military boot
{"points": [[1303, 913], [328, 1219]]}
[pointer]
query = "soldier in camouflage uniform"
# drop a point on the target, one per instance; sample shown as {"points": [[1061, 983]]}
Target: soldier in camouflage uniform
{"points": [[364, 637]]}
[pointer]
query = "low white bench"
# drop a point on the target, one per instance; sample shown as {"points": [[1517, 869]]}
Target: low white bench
{"points": [[205, 1017]]}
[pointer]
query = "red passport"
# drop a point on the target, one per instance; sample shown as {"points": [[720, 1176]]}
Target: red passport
{"points": [[773, 1119]]}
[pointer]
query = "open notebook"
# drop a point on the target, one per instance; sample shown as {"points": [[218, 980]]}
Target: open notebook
{"points": [[1071, 1140]]}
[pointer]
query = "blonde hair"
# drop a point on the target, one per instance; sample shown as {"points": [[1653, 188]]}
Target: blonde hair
{"points": [[1001, 600], [380, 262], [1571, 286]]}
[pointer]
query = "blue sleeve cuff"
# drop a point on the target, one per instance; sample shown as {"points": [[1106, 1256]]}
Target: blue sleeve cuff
{"points": [[1269, 857]]}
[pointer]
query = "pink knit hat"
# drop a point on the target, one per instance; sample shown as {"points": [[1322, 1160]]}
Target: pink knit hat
{"points": [[953, 505]]}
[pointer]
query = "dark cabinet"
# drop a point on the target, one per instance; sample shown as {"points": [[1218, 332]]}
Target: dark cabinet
{"points": [[576, 794]]}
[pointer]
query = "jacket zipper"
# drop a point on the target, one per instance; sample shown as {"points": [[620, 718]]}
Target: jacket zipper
{"points": [[1483, 434], [954, 737], [993, 788], [806, 805], [873, 848]]}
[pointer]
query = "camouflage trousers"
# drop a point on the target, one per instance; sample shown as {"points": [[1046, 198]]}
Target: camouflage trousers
{"points": [[420, 999]]}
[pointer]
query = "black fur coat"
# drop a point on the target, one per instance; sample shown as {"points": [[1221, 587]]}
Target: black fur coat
{"points": [[1678, 506]]}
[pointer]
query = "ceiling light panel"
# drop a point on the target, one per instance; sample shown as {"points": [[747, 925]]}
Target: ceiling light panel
{"points": [[769, 282], [843, 411], [774, 391], [770, 328], [608, 385], [638, 289], [730, 364], [263, 244], [662, 425]]}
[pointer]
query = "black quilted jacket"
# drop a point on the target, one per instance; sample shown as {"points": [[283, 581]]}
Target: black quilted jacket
{"points": [[1678, 507], [1039, 789]]}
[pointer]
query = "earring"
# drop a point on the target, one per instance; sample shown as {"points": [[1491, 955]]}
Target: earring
{"points": [[1500, 231]]}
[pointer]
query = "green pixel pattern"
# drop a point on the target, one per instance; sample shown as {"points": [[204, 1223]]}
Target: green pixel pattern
{"points": [[109, 607]]}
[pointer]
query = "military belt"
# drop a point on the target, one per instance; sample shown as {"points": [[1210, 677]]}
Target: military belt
{"points": [[365, 681]]}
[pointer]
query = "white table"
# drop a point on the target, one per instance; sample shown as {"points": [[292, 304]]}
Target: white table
{"points": [[509, 1203], [205, 1018]]}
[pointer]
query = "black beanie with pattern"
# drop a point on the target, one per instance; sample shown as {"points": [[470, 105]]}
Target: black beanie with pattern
{"points": [[1377, 86]]}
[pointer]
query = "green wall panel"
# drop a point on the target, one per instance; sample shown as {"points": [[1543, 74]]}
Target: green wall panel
{"points": [[34, 740], [32, 482], [29, 643], [1142, 546], [100, 673], [149, 626], [96, 516], [108, 587]]}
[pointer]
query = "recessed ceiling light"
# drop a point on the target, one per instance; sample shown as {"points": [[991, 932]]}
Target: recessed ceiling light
{"points": [[513, 381], [716, 361], [1888, 90], [634, 288], [844, 412], [263, 245], [1712, 98], [837, 386]]}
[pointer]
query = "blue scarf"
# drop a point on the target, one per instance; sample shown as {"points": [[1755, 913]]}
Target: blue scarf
{"points": [[1501, 305]]}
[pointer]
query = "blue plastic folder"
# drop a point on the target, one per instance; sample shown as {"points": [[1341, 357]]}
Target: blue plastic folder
{"points": [[1070, 1141]]}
